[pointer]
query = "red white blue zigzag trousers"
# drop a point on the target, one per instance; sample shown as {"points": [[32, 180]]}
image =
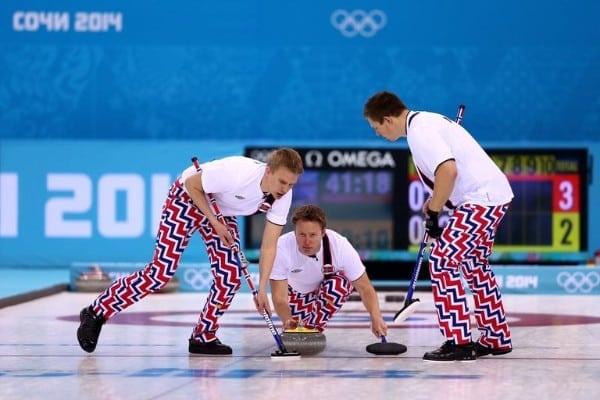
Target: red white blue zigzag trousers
{"points": [[180, 219], [316, 308], [465, 247]]}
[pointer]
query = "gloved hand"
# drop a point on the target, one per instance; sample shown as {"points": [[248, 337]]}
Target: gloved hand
{"points": [[290, 324], [432, 224]]}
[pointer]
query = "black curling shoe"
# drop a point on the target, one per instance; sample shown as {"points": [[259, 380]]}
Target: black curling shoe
{"points": [[482, 350], [89, 329], [452, 352], [214, 347]]}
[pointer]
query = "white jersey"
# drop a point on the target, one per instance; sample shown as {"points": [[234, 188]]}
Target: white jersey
{"points": [[303, 273], [433, 139], [235, 184]]}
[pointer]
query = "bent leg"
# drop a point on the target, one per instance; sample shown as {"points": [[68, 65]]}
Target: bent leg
{"points": [[226, 281], [179, 220], [317, 308]]}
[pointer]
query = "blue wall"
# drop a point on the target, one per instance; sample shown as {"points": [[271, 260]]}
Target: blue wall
{"points": [[170, 76], [247, 69]]}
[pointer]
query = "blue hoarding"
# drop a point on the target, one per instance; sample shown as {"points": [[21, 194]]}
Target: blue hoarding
{"points": [[63, 202], [247, 69]]}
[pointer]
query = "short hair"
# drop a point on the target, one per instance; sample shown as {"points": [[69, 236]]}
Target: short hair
{"points": [[287, 158], [310, 212], [383, 104]]}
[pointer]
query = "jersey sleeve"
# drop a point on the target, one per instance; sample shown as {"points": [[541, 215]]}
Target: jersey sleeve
{"points": [[349, 259], [220, 175], [189, 171], [281, 265], [427, 145]]}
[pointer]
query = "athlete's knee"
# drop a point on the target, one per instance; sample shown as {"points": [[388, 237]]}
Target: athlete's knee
{"points": [[337, 283]]}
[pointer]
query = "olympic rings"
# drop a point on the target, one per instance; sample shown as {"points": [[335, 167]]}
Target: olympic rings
{"points": [[578, 282], [199, 279], [365, 23]]}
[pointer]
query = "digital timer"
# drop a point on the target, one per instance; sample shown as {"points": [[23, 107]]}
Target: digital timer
{"points": [[357, 188], [361, 183]]}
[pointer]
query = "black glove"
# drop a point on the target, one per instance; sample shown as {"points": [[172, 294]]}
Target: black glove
{"points": [[432, 224]]}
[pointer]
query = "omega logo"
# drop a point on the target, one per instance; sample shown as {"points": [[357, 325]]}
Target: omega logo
{"points": [[360, 159], [313, 159]]}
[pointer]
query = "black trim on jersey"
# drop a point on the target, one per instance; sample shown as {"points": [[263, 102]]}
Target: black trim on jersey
{"points": [[429, 183], [270, 199], [267, 203], [273, 223], [326, 250], [436, 168], [328, 268], [411, 118]]}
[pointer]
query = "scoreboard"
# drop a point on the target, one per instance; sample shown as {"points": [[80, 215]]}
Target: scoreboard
{"points": [[547, 218], [374, 197], [549, 212]]}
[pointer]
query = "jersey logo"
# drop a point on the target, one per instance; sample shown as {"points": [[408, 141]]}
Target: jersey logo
{"points": [[295, 271], [266, 204], [240, 197], [328, 269]]}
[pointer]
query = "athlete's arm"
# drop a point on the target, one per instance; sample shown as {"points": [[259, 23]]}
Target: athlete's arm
{"points": [[445, 177], [369, 299], [279, 294], [268, 249], [193, 185]]}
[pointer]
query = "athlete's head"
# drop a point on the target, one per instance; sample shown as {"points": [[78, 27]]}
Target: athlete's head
{"points": [[383, 112], [383, 104], [284, 167], [309, 223]]}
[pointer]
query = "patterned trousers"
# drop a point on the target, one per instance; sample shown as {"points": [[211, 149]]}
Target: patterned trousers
{"points": [[180, 219], [465, 247], [316, 308]]}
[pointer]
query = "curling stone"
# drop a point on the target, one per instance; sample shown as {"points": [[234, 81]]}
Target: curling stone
{"points": [[354, 297], [394, 298], [304, 340], [94, 280]]}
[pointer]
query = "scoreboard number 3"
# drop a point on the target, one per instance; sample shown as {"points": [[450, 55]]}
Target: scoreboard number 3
{"points": [[566, 214], [566, 200]]}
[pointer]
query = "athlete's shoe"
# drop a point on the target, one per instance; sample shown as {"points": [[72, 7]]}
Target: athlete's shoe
{"points": [[482, 350], [214, 347], [89, 329], [452, 352]]}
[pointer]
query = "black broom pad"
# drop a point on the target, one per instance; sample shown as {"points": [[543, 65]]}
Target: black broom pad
{"points": [[386, 348]]}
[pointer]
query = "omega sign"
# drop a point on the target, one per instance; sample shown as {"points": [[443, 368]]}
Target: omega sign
{"points": [[349, 159], [335, 158]]}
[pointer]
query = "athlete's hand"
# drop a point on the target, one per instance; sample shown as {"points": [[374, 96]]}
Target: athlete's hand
{"points": [[432, 224], [290, 324], [262, 302], [378, 326], [224, 233]]}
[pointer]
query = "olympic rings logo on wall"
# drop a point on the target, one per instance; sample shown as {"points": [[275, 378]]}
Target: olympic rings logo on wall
{"points": [[578, 282], [358, 22]]}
